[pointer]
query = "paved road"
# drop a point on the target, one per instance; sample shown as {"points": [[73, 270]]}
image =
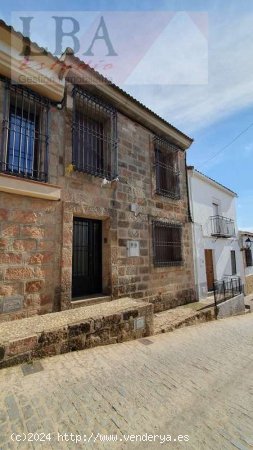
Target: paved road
{"points": [[195, 383]]}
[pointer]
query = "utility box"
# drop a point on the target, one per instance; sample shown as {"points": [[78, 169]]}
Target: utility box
{"points": [[133, 248]]}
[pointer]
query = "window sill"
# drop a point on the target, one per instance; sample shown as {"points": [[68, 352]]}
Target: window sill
{"points": [[29, 188], [168, 195]]}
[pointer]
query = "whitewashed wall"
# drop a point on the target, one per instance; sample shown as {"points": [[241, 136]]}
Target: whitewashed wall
{"points": [[203, 193]]}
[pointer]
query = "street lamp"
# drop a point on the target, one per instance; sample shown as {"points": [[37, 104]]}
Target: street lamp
{"points": [[248, 243]]}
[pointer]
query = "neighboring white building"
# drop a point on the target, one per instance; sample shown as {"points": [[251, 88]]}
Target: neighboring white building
{"points": [[217, 250]]}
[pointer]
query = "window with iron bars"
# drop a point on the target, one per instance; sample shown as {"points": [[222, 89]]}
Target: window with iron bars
{"points": [[167, 244], [94, 135], [24, 146], [248, 257], [167, 172]]}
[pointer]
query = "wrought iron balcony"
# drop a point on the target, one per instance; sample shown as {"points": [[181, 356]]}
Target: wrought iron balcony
{"points": [[222, 226]]}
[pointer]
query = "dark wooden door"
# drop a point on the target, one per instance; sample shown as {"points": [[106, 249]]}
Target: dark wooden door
{"points": [[87, 257], [209, 269]]}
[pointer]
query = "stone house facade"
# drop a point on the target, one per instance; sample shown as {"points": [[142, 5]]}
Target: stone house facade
{"points": [[93, 194]]}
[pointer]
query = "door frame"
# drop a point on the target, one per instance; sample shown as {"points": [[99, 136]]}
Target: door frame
{"points": [[90, 260], [205, 251]]}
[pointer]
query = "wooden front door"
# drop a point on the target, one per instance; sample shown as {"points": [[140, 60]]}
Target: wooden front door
{"points": [[209, 269]]}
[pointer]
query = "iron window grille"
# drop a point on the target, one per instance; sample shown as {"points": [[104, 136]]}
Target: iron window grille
{"points": [[248, 257], [167, 244], [167, 171], [94, 133], [24, 147]]}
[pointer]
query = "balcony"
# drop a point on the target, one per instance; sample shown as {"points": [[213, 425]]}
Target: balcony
{"points": [[222, 226]]}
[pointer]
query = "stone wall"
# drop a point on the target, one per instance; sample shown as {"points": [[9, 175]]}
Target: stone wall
{"points": [[248, 284], [30, 249], [36, 235], [58, 333], [83, 196], [231, 307]]}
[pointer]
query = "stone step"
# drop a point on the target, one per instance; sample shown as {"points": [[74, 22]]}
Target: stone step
{"points": [[180, 317], [75, 329]]}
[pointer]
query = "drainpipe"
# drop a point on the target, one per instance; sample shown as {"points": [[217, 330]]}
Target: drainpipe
{"points": [[189, 194], [187, 190]]}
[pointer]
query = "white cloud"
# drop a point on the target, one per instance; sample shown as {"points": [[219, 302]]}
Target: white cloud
{"points": [[167, 60], [190, 106], [230, 85]]}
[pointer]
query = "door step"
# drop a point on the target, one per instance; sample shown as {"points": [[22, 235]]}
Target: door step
{"points": [[90, 300], [179, 317]]}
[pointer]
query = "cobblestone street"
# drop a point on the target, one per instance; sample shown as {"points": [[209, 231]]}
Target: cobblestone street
{"points": [[195, 381]]}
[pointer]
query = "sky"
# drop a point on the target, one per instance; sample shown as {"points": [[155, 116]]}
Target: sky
{"points": [[190, 61]]}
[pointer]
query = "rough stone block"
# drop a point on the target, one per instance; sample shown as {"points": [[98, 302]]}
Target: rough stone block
{"points": [[51, 337], [78, 329], [133, 313], [19, 273], [21, 346], [34, 286]]}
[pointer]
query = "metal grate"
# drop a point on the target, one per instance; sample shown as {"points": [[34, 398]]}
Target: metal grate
{"points": [[222, 226], [226, 289], [30, 368], [167, 173], [94, 134], [167, 244], [87, 257], [24, 149], [145, 341]]}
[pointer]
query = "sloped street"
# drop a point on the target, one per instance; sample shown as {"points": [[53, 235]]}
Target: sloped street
{"points": [[190, 389]]}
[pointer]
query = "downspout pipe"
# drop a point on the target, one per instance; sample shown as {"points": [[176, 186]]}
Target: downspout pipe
{"points": [[187, 190], [194, 249]]}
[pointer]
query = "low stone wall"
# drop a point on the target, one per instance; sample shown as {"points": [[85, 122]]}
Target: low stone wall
{"points": [[248, 284], [167, 301], [231, 307], [77, 329]]}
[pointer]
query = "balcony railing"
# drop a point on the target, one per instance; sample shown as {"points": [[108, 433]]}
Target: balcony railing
{"points": [[222, 226]]}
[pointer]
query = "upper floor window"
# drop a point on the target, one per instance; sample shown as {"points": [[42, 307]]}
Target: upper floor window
{"points": [[215, 209], [167, 172], [167, 244], [94, 135], [24, 147]]}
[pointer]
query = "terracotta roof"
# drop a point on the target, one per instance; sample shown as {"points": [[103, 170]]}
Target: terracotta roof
{"points": [[3, 24], [69, 51], [246, 233]]}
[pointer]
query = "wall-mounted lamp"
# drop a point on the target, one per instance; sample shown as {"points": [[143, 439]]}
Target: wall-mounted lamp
{"points": [[248, 243]]}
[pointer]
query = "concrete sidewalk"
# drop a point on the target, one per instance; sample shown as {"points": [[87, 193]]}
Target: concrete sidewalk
{"points": [[195, 383]]}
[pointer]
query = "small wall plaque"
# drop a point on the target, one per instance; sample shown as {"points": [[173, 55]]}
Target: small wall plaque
{"points": [[12, 303], [139, 323], [133, 248]]}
